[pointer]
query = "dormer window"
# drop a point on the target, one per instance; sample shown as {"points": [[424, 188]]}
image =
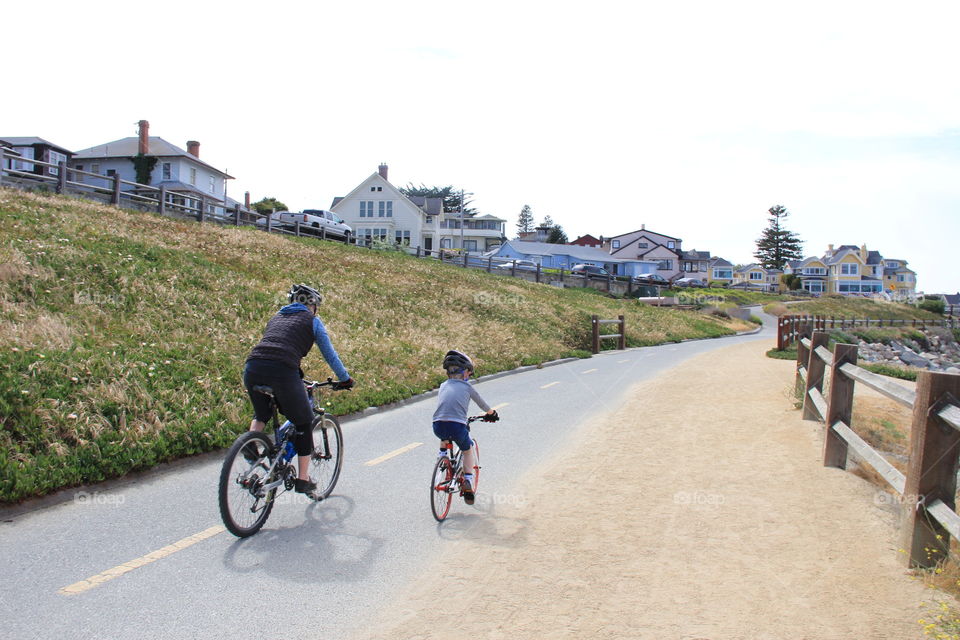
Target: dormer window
{"points": [[614, 244], [671, 244]]}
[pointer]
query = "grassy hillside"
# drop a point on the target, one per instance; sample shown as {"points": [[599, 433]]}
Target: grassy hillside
{"points": [[846, 307], [123, 334]]}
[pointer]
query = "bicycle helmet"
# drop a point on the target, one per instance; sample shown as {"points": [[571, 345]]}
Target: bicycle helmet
{"points": [[304, 295], [458, 360]]}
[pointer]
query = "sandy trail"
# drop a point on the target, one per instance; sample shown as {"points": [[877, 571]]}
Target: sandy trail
{"points": [[698, 510]]}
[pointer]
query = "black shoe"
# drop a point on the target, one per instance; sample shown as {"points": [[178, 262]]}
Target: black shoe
{"points": [[250, 454], [304, 486], [468, 497]]}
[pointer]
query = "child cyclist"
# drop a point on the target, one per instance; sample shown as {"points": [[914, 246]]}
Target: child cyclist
{"points": [[450, 418]]}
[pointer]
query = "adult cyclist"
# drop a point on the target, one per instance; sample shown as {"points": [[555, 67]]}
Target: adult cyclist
{"points": [[275, 362]]}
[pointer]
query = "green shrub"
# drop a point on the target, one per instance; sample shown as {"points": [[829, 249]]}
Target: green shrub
{"points": [[755, 320], [836, 335], [891, 370], [933, 306]]}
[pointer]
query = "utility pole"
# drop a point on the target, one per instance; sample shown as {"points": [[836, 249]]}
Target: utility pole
{"points": [[461, 221]]}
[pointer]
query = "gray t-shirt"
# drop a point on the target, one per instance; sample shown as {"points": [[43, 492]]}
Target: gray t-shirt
{"points": [[454, 401]]}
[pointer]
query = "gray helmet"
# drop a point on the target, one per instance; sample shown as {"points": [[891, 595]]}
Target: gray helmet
{"points": [[304, 295], [457, 359]]}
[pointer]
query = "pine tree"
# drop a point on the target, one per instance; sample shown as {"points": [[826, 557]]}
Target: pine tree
{"points": [[557, 235], [777, 245], [525, 221]]}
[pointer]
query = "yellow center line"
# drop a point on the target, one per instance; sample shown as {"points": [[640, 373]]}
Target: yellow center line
{"points": [[136, 563], [387, 456], [591, 370], [500, 406], [622, 361], [549, 384]]}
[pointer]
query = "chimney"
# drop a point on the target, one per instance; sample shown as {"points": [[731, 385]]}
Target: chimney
{"points": [[246, 200], [383, 170], [144, 147], [643, 227], [193, 148], [829, 249], [863, 252]]}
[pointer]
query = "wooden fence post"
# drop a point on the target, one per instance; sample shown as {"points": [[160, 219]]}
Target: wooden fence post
{"points": [[595, 343], [201, 211], [932, 471], [815, 370], [162, 204], [115, 198], [323, 233], [465, 258], [61, 177], [538, 273], [236, 215], [489, 263], [296, 227], [622, 342], [269, 225], [839, 406], [803, 356]]}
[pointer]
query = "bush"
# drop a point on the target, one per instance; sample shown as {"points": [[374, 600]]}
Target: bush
{"points": [[891, 370], [755, 320], [842, 337], [933, 306], [786, 354]]}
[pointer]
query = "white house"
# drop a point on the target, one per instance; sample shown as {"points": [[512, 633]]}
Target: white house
{"points": [[187, 178], [649, 246], [377, 210]]}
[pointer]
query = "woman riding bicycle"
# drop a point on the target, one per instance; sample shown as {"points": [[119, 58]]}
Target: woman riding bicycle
{"points": [[275, 362]]}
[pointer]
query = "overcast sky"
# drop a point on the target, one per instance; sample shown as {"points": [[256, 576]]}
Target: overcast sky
{"points": [[692, 118]]}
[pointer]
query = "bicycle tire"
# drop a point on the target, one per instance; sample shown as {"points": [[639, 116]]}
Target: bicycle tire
{"points": [[327, 458], [243, 513], [440, 493]]}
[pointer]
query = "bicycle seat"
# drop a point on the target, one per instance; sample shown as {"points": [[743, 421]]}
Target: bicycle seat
{"points": [[264, 389]]}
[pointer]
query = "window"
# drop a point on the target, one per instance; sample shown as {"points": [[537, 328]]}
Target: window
{"points": [[756, 275], [643, 245], [385, 209], [56, 158], [193, 176], [849, 269], [470, 245], [429, 219], [614, 244], [167, 170], [671, 244], [814, 286], [403, 237], [95, 168], [111, 172], [664, 265], [373, 188], [366, 208], [445, 243], [893, 264], [213, 185], [814, 271], [379, 188], [723, 274]]}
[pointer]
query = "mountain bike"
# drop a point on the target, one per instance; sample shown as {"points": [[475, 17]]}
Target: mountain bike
{"points": [[447, 476], [256, 468]]}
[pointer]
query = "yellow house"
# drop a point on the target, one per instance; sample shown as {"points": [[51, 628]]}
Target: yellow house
{"points": [[852, 270], [753, 276]]}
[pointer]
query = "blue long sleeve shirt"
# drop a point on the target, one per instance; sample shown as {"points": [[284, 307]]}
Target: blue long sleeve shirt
{"points": [[454, 401]]}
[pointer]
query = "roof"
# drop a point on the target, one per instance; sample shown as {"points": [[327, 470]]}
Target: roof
{"points": [[432, 206], [952, 298], [720, 262], [129, 147], [574, 250], [586, 238], [31, 140], [695, 255], [841, 253], [642, 231], [176, 185]]}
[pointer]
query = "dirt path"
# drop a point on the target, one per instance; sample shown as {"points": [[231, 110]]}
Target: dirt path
{"points": [[727, 527]]}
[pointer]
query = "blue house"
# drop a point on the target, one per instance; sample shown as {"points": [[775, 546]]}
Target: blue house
{"points": [[564, 256]]}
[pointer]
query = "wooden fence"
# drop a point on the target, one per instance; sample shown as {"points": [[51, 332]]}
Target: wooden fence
{"points": [[621, 337], [790, 327], [928, 489]]}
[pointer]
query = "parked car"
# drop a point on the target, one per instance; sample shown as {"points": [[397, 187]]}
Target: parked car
{"points": [[318, 219], [688, 282], [652, 278], [520, 265], [588, 270]]}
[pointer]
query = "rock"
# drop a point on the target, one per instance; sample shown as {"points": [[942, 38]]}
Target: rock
{"points": [[912, 359], [952, 370]]}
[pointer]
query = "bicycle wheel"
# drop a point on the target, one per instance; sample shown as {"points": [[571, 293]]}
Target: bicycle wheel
{"points": [[244, 506], [441, 493], [327, 458], [476, 472]]}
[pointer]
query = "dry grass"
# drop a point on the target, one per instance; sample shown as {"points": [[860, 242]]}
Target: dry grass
{"points": [[123, 334]]}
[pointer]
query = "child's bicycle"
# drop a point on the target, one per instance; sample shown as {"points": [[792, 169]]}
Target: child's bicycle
{"points": [[447, 476], [256, 468]]}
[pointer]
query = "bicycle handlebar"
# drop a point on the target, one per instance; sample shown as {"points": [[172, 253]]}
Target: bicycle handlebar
{"points": [[481, 417]]}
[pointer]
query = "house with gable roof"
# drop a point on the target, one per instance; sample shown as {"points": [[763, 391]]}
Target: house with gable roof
{"points": [[188, 179], [755, 276], [720, 270], [377, 210], [565, 256], [33, 148], [649, 246], [852, 270]]}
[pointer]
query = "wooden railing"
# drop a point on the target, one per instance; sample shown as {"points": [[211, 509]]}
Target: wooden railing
{"points": [[621, 337], [928, 489], [791, 326]]}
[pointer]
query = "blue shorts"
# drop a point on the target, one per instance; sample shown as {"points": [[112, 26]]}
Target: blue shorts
{"points": [[456, 431]]}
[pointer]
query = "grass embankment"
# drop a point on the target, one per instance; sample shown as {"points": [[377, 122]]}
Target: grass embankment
{"points": [[852, 308], [123, 334]]}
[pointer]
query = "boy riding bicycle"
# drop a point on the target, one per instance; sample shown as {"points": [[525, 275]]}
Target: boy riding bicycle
{"points": [[450, 418]]}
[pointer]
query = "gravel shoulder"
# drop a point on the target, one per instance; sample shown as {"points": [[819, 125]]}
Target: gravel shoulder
{"points": [[699, 510]]}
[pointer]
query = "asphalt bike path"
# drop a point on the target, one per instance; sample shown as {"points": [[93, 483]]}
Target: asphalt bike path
{"points": [[148, 558]]}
